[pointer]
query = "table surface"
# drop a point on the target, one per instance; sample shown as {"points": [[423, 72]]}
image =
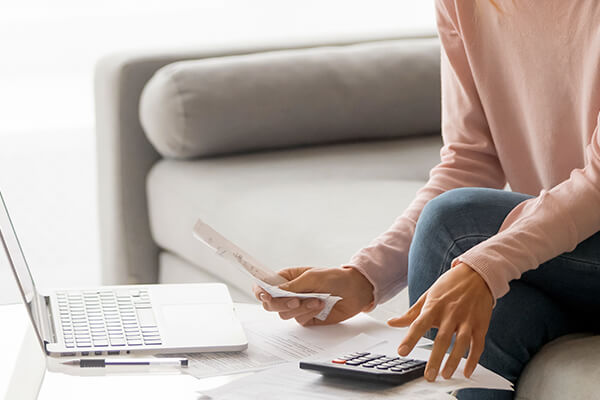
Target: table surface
{"points": [[25, 373]]}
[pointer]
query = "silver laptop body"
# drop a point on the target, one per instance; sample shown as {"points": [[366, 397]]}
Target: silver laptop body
{"points": [[119, 320]]}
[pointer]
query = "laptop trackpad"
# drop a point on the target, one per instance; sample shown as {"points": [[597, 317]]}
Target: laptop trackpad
{"points": [[191, 325]]}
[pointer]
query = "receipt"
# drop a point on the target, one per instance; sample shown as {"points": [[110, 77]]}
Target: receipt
{"points": [[264, 277], [327, 298]]}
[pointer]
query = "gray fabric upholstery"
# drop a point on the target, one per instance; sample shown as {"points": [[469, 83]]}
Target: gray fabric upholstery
{"points": [[567, 368], [312, 206], [128, 253], [174, 269], [294, 97]]}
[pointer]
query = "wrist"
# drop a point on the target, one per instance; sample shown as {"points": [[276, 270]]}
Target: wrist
{"points": [[362, 287], [475, 276]]}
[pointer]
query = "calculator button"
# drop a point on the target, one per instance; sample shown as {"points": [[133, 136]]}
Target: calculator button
{"points": [[339, 361], [353, 362], [382, 366], [367, 365], [398, 369]]}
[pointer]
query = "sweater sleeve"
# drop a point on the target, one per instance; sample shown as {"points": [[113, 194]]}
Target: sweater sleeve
{"points": [[543, 227], [468, 159]]}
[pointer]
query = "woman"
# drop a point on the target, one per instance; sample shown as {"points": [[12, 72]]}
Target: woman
{"points": [[506, 272]]}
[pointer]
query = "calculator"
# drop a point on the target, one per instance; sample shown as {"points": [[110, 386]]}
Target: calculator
{"points": [[369, 366]]}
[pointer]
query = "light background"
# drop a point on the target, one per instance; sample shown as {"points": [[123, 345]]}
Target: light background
{"points": [[47, 54]]}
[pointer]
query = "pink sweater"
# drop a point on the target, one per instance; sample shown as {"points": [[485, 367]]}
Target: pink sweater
{"points": [[521, 103]]}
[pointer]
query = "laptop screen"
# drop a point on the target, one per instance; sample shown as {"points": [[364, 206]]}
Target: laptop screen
{"points": [[17, 262]]}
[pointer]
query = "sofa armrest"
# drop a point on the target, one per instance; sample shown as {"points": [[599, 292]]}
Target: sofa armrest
{"points": [[128, 252]]}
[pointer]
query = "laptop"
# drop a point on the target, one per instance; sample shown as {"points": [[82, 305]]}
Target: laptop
{"points": [[121, 320]]}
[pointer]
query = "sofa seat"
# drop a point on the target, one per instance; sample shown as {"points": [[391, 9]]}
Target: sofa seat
{"points": [[309, 206]]}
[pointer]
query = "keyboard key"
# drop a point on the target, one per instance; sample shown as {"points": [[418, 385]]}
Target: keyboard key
{"points": [[146, 317]]}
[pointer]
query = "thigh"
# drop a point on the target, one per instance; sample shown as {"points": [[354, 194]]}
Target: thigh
{"points": [[573, 279], [522, 322], [451, 224]]}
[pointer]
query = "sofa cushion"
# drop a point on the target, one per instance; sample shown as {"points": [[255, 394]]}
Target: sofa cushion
{"points": [[567, 368], [294, 97], [312, 206]]}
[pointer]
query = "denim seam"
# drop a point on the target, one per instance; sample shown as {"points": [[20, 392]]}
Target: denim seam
{"points": [[597, 264], [453, 245], [471, 236]]}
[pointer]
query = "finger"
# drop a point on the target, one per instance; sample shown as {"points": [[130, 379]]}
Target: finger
{"points": [[305, 321], [280, 304], [463, 338], [292, 273], [309, 306], [260, 293], [477, 346], [408, 317], [310, 319], [415, 333], [440, 346]]}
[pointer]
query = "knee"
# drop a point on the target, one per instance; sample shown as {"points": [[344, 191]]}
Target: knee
{"points": [[445, 218], [455, 205]]}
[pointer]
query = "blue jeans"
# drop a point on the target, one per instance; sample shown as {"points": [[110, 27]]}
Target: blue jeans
{"points": [[557, 298]]}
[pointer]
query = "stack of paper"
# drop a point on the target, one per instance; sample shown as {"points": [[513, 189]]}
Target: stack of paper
{"points": [[290, 383], [264, 277], [272, 341]]}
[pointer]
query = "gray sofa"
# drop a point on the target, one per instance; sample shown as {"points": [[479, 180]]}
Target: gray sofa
{"points": [[301, 155]]}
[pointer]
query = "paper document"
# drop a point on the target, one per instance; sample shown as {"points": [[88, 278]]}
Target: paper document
{"points": [[272, 341], [267, 347], [290, 382], [264, 277]]}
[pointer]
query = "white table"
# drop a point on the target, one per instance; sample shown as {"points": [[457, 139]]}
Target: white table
{"points": [[24, 374]]}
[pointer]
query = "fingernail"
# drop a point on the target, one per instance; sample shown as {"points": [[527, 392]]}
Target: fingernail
{"points": [[313, 305], [262, 296], [294, 303], [403, 350], [431, 374]]}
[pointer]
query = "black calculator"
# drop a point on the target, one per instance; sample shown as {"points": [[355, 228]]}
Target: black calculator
{"points": [[369, 366]]}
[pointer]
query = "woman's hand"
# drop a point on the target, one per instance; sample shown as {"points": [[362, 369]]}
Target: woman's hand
{"points": [[458, 302], [348, 283]]}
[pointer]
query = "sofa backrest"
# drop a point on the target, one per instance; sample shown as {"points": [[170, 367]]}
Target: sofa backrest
{"points": [[282, 99]]}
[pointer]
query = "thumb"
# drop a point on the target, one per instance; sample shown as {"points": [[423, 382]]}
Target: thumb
{"points": [[292, 273], [299, 284], [409, 316]]}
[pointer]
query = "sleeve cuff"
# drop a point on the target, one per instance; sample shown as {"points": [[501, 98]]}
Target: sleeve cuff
{"points": [[491, 274]]}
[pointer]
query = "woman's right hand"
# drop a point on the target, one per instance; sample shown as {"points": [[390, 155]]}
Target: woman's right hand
{"points": [[352, 286]]}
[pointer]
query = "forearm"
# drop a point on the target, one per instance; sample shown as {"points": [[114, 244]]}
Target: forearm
{"points": [[542, 228]]}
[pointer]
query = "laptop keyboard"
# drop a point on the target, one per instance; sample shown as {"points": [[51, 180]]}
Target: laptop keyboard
{"points": [[107, 318]]}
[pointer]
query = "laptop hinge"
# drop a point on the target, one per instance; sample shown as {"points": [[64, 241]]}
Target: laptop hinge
{"points": [[48, 331]]}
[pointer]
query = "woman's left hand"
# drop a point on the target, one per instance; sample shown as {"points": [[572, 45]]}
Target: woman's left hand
{"points": [[458, 302]]}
